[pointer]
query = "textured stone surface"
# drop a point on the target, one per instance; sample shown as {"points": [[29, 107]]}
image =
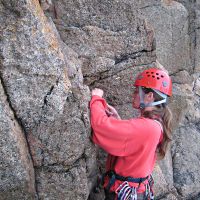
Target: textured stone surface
{"points": [[16, 167], [66, 185], [176, 47], [197, 49], [185, 149], [170, 20], [193, 18], [50, 104], [197, 87], [43, 81], [160, 186], [169, 197], [185, 153], [101, 47], [107, 36], [167, 169], [110, 40]]}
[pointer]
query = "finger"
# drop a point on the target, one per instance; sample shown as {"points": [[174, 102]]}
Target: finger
{"points": [[110, 112], [110, 107]]}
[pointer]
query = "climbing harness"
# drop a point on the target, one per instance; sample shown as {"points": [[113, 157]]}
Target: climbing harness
{"points": [[124, 191], [127, 192]]}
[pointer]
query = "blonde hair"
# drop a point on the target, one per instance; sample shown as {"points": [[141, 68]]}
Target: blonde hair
{"points": [[163, 114]]}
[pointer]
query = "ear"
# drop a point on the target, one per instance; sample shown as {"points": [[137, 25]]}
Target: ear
{"points": [[149, 97]]}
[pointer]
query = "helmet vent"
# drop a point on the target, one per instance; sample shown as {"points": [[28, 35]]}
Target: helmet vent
{"points": [[157, 79]]}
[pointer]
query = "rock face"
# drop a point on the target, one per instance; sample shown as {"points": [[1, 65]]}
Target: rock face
{"points": [[51, 51], [170, 21], [49, 100], [177, 47], [16, 174], [113, 43]]}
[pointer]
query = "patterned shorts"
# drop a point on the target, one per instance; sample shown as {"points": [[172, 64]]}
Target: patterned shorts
{"points": [[112, 196]]}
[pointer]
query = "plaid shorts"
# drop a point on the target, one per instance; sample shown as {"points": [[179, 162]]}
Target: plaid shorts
{"points": [[112, 196]]}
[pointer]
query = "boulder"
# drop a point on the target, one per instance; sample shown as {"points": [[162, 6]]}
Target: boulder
{"points": [[170, 21], [46, 92], [46, 61], [194, 18], [16, 167], [58, 183], [185, 156]]}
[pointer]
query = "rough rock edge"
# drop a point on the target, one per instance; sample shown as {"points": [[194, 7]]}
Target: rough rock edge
{"points": [[20, 124]]}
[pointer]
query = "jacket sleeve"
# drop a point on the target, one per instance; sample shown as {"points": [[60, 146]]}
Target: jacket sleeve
{"points": [[109, 133]]}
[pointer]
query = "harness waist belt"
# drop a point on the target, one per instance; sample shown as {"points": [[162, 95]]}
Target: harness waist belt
{"points": [[113, 176]]}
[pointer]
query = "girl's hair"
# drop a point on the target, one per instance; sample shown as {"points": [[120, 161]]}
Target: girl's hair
{"points": [[163, 114]]}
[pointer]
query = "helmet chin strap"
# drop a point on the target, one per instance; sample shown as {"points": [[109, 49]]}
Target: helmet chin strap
{"points": [[141, 94], [143, 105]]}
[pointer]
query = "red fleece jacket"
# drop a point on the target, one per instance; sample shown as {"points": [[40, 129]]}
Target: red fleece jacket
{"points": [[133, 141]]}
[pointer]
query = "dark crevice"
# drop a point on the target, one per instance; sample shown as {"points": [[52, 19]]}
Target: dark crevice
{"points": [[46, 103], [48, 94], [123, 58], [44, 106], [178, 191], [194, 85], [60, 167], [19, 121], [83, 119], [178, 71], [99, 78], [134, 55], [150, 6]]}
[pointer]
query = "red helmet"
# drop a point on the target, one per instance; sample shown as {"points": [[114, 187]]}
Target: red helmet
{"points": [[156, 79]]}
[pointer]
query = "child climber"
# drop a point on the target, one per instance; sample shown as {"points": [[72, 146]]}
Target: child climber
{"points": [[134, 145]]}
